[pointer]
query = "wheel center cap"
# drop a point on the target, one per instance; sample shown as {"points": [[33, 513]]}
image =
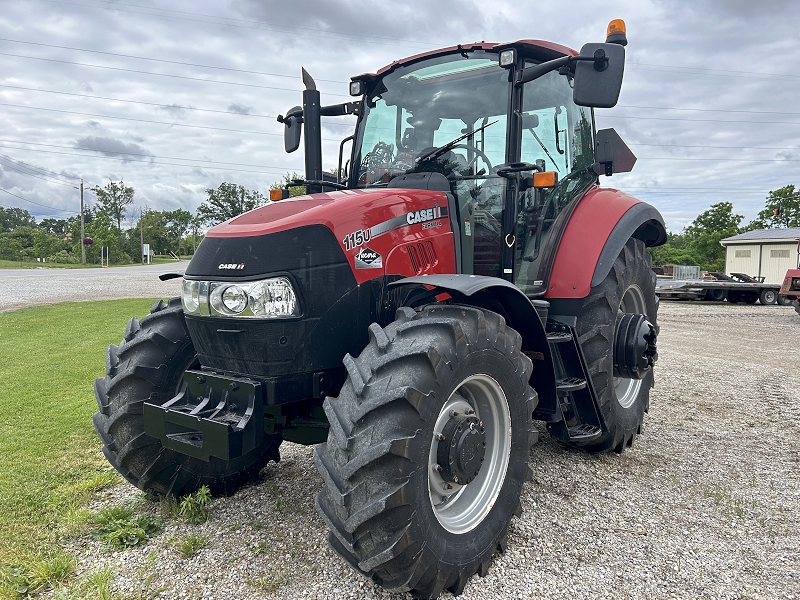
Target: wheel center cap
{"points": [[461, 449]]}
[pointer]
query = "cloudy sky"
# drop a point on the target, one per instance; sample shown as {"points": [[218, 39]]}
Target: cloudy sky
{"points": [[178, 96]]}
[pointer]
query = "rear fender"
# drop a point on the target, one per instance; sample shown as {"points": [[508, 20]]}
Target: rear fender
{"points": [[601, 225], [506, 299]]}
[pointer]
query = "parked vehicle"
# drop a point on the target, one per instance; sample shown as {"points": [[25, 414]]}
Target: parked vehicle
{"points": [[394, 315], [736, 287]]}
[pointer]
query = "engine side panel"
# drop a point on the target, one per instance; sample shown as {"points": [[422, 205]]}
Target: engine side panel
{"points": [[586, 238], [368, 225]]}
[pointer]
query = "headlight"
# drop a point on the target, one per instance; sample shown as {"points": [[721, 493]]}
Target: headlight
{"points": [[268, 298], [191, 296], [273, 298]]}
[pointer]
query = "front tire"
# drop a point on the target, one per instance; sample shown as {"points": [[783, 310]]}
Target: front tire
{"points": [[396, 514], [148, 366], [629, 287]]}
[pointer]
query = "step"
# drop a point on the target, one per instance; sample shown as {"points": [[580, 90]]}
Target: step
{"points": [[570, 384], [558, 337], [584, 433]]}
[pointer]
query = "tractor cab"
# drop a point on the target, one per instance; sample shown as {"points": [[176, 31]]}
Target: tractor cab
{"points": [[461, 114]]}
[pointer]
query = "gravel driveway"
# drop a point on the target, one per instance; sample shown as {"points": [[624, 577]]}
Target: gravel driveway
{"points": [[20, 288], [705, 505]]}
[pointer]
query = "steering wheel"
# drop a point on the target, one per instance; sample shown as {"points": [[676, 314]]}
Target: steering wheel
{"points": [[381, 154], [477, 152]]}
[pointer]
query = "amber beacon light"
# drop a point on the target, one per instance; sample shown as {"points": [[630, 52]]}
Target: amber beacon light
{"points": [[616, 33]]}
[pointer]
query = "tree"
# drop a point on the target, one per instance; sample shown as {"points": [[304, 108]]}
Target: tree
{"points": [[294, 190], [197, 229], [786, 201], [54, 226], [704, 233], [227, 201], [178, 223], [113, 199], [11, 218]]}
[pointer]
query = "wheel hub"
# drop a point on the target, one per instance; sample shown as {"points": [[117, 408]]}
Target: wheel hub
{"points": [[635, 350], [461, 449]]}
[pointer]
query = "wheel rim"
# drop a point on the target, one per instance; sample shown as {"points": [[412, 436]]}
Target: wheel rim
{"points": [[461, 508], [770, 297], [626, 389]]}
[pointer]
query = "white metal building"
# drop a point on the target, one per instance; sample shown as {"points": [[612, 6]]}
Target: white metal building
{"points": [[764, 253]]}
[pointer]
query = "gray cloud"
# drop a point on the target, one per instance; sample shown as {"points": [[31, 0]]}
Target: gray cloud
{"points": [[112, 147], [242, 110], [173, 110]]}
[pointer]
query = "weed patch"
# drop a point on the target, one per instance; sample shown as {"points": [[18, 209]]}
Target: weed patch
{"points": [[193, 508], [120, 527], [191, 544]]}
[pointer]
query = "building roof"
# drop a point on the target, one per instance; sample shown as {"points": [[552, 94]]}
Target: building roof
{"points": [[763, 235]]}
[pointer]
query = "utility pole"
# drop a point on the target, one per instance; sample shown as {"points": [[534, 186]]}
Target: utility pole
{"points": [[141, 233], [83, 246]]}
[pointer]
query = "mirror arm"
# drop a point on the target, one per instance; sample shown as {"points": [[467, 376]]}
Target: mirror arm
{"points": [[599, 58], [338, 110]]}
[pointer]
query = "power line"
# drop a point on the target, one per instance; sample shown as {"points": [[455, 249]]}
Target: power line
{"points": [[69, 62], [153, 162], [747, 160], [44, 171], [156, 104], [29, 174], [38, 204], [71, 112], [716, 147], [705, 71], [751, 112], [163, 60], [143, 155], [609, 116], [316, 33]]}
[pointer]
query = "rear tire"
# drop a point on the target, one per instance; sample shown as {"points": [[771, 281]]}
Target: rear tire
{"points": [[391, 515], [629, 287], [716, 295], [148, 366]]}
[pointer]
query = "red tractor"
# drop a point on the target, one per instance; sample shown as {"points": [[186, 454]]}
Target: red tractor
{"points": [[463, 278], [790, 290]]}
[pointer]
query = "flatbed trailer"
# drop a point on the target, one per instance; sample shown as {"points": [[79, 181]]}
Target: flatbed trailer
{"points": [[736, 287]]}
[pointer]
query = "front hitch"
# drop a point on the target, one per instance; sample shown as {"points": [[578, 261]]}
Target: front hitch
{"points": [[212, 415]]}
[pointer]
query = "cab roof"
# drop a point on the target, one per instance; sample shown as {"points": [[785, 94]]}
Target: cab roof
{"points": [[538, 49]]}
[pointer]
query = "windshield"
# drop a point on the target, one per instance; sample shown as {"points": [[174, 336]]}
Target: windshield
{"points": [[428, 105]]}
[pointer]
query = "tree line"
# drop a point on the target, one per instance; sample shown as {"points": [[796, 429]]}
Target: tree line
{"points": [[698, 243], [169, 231], [179, 231]]}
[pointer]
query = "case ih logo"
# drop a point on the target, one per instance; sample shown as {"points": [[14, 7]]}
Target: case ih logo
{"points": [[427, 214], [231, 266]]}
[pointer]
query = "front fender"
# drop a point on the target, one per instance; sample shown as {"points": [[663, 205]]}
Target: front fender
{"points": [[506, 299], [603, 221]]}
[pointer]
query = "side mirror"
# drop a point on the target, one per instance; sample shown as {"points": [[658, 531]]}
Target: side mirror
{"points": [[530, 120], [613, 155], [292, 129], [598, 82]]}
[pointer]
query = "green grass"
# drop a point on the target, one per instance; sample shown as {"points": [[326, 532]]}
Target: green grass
{"points": [[51, 459]]}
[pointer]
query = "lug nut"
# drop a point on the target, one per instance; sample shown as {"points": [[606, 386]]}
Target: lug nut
{"points": [[442, 437], [453, 413], [438, 468], [447, 486], [455, 479]]}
